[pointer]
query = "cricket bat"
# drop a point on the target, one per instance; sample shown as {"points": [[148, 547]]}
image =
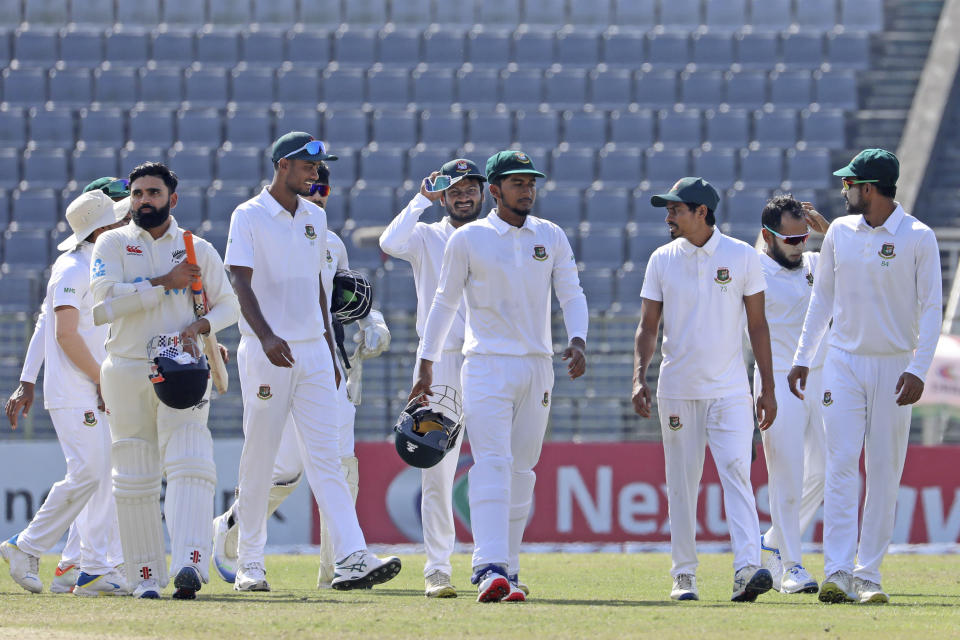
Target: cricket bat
{"points": [[218, 371]]}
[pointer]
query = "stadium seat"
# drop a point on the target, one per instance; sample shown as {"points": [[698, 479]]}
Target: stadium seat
{"points": [[611, 88], [138, 13], [262, 48], [775, 128], [300, 85], [574, 167], [744, 208], [725, 15], [656, 88], [309, 47], [127, 45], [562, 205], [433, 87], [534, 128], [183, 12], [746, 89], [623, 48], [607, 208], [770, 15], [579, 48], [134, 155], [683, 15], [639, 13], [849, 51], [442, 127], [490, 127], [36, 47], [565, 88], [318, 13], [102, 127], [218, 48], [298, 119], [71, 87], [803, 50], [443, 46], [371, 12], [584, 128], [19, 291], [718, 166], [728, 129], [791, 89], [632, 128], [24, 86], [761, 169], [400, 47], [336, 211], [533, 47], [347, 128], [13, 130], [382, 167], [35, 209], [162, 85], [522, 88], [206, 87], [116, 87], [26, 249], [598, 287], [395, 127], [388, 87], [355, 47], [680, 128], [193, 166], [9, 177], [620, 167], [220, 204], [668, 50], [545, 12], [628, 286], [240, 166], [836, 89], [94, 12], [153, 126], [702, 88], [713, 51], [345, 171], [422, 161], [230, 12], [602, 247], [667, 166], [200, 127], [489, 48], [5, 46], [410, 12], [342, 87], [190, 204], [478, 88], [250, 127], [82, 47], [862, 15], [642, 243], [824, 128], [757, 51], [372, 206], [819, 15], [45, 167], [252, 86], [51, 127], [174, 46], [809, 169]]}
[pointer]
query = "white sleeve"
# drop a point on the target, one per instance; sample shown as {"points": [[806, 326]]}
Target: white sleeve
{"points": [[106, 268], [71, 284], [239, 242], [820, 309], [398, 239], [343, 260], [566, 283], [446, 301], [929, 300], [755, 280], [224, 308], [651, 289], [35, 350]]}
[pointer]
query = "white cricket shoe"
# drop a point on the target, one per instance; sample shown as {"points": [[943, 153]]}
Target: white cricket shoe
{"points": [[64, 578], [147, 590], [516, 594], [685, 587], [837, 588], [749, 582], [492, 584], [796, 579], [772, 562], [869, 592], [224, 559], [251, 577], [108, 584], [361, 570], [24, 568], [437, 585], [515, 579]]}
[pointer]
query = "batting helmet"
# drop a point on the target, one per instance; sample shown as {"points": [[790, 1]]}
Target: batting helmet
{"points": [[179, 378], [352, 296], [425, 432]]}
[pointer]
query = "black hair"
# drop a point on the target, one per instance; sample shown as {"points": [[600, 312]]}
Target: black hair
{"points": [[710, 219], [887, 190], [777, 206], [158, 169], [323, 173]]}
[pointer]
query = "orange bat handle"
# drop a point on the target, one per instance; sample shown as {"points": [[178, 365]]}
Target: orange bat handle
{"points": [[197, 285]]}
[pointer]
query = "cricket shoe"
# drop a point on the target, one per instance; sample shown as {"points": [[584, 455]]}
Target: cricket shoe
{"points": [[515, 579], [492, 583], [64, 579], [251, 577], [685, 587], [516, 593], [362, 570], [772, 562], [224, 563], [838, 588], [869, 592], [749, 582], [437, 585], [796, 579], [24, 568], [147, 590], [108, 584], [187, 582]]}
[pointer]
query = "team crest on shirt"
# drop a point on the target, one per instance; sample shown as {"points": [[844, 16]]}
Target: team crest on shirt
{"points": [[264, 392], [674, 423], [309, 231], [810, 278], [89, 418], [827, 398], [546, 399], [176, 257], [540, 252], [886, 251], [329, 257], [723, 276]]}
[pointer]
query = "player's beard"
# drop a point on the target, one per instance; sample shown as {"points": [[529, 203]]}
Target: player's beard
{"points": [[464, 218], [149, 217], [520, 209], [783, 260], [854, 208]]}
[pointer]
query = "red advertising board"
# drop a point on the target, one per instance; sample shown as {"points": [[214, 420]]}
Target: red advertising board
{"points": [[614, 492]]}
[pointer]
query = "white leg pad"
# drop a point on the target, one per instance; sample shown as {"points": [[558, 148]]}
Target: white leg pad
{"points": [[136, 488], [191, 484], [350, 468]]}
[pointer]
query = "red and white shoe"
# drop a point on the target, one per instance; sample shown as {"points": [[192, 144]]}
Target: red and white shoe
{"points": [[64, 579], [492, 585]]}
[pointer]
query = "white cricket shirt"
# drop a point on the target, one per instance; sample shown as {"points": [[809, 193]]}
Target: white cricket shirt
{"points": [[129, 255], [504, 274], [33, 359], [786, 299], [422, 245], [702, 291], [287, 254], [882, 287], [334, 260]]}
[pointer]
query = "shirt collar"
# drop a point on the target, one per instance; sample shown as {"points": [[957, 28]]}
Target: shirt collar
{"points": [[501, 226], [169, 233], [274, 208], [891, 224], [770, 264], [709, 247]]}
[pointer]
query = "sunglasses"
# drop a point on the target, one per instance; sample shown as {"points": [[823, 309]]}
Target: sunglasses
{"points": [[789, 239], [440, 183], [119, 188], [313, 148], [322, 189], [849, 182]]}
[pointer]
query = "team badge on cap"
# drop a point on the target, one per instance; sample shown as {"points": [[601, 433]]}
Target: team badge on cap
{"points": [[827, 399], [309, 231], [264, 392], [546, 398], [886, 251], [461, 166], [723, 276], [89, 418], [521, 157], [540, 252], [675, 423]]}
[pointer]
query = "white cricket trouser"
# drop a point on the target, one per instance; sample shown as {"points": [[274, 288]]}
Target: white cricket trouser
{"points": [[794, 450], [84, 495], [436, 483], [270, 394], [861, 413], [506, 404], [71, 548], [726, 424]]}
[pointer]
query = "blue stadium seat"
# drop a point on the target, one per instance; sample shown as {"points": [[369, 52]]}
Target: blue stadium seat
{"points": [[162, 85], [201, 127], [82, 47], [623, 48], [132, 156], [138, 13], [127, 46], [803, 50], [9, 177], [355, 46], [820, 15], [590, 14], [410, 12], [252, 86], [19, 291], [522, 87], [206, 87], [620, 167], [231, 12], [565, 88], [372, 12], [611, 88], [299, 119], [51, 128], [101, 127], [535, 128], [13, 130], [574, 167], [193, 166], [185, 12], [300, 86], [744, 208], [718, 166], [318, 13], [533, 47], [561, 206], [656, 88], [116, 87], [761, 169], [809, 169], [343, 87], [45, 167], [775, 128], [771, 15], [713, 51], [579, 48], [92, 163], [372, 206], [398, 282], [422, 161], [175, 45], [347, 128], [680, 128], [443, 46], [220, 204], [791, 89], [263, 48], [400, 47], [35, 209], [680, 14], [36, 47], [218, 47], [497, 12], [96, 12], [746, 89], [598, 287], [24, 86], [702, 88], [584, 128], [478, 88], [395, 127], [388, 87], [190, 204], [489, 48], [336, 211], [240, 166], [345, 170], [602, 247], [667, 166], [433, 87], [71, 87], [639, 13], [607, 207], [545, 12], [861, 15], [757, 50], [668, 50], [152, 126], [849, 51], [26, 249], [642, 243], [632, 128], [725, 15], [728, 129], [309, 47], [825, 128], [837, 89], [490, 127], [5, 46], [249, 127], [442, 127], [383, 167]]}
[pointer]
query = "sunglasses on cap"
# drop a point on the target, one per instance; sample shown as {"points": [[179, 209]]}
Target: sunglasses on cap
{"points": [[313, 148], [789, 239], [119, 188], [849, 182], [318, 188]]}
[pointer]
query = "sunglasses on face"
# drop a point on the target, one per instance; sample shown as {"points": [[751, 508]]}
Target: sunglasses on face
{"points": [[322, 189], [849, 182], [119, 188], [313, 148], [789, 239]]}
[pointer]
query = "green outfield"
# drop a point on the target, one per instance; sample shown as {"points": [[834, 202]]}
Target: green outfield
{"points": [[572, 596]]}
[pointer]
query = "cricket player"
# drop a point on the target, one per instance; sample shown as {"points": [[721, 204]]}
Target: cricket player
{"points": [[503, 269], [140, 272], [73, 349], [422, 245], [879, 279], [707, 287], [794, 446], [275, 253]]}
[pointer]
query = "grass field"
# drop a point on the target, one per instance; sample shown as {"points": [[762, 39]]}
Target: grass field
{"points": [[572, 596]]}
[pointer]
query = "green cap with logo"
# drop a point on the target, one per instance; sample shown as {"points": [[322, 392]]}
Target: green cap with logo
{"points": [[113, 187], [690, 190], [873, 164], [295, 145], [505, 163], [462, 168]]}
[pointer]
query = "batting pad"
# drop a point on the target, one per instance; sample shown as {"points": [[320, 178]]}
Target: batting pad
{"points": [[191, 484], [136, 488]]}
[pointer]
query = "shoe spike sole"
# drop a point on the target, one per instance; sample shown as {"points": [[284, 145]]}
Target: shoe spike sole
{"points": [[385, 572], [761, 582]]}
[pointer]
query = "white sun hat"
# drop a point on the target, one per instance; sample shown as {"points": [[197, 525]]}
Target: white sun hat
{"points": [[86, 214]]}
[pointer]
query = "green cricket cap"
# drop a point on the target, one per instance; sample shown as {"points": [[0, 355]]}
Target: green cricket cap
{"points": [[690, 190], [505, 163], [462, 168], [297, 141], [872, 164]]}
